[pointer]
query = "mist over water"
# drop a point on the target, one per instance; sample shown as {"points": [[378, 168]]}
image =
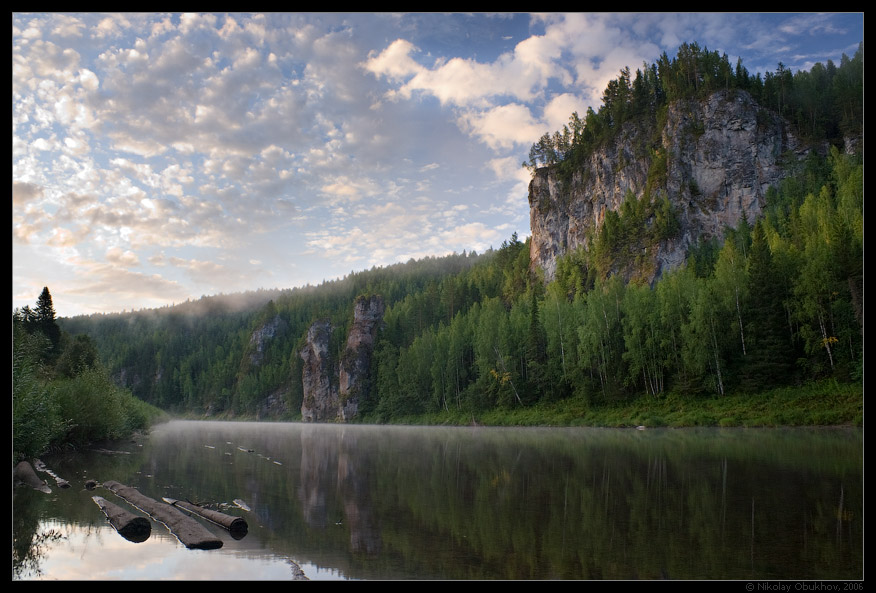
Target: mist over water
{"points": [[369, 502]]}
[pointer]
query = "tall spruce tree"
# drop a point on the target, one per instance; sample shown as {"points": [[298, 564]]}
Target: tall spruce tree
{"points": [[45, 317], [770, 357]]}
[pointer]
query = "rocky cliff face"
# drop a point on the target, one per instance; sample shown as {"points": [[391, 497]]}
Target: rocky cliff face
{"points": [[721, 154], [320, 401], [332, 391], [261, 336], [355, 364]]}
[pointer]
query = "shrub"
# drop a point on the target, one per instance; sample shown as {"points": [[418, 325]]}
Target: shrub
{"points": [[36, 421], [92, 406]]}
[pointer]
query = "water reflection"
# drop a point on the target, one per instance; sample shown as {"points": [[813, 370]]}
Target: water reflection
{"points": [[477, 503]]}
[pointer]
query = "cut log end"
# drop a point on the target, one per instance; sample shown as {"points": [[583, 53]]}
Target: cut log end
{"points": [[130, 526]]}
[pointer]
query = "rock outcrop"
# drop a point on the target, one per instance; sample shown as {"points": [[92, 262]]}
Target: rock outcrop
{"points": [[260, 337], [320, 402], [721, 154], [355, 363], [333, 390]]}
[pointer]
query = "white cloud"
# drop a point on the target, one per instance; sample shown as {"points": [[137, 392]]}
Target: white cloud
{"points": [[24, 192], [68, 26], [503, 127], [111, 26], [509, 169], [125, 258], [394, 62], [560, 108]]}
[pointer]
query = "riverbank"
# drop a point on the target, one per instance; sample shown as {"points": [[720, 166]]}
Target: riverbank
{"points": [[826, 403]]}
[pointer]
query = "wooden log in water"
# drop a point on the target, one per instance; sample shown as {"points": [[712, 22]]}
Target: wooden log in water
{"points": [[130, 526], [24, 472], [39, 465], [229, 522], [297, 573], [186, 529]]}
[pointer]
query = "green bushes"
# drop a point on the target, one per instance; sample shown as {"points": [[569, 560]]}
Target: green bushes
{"points": [[92, 406], [36, 420], [65, 398], [71, 412]]}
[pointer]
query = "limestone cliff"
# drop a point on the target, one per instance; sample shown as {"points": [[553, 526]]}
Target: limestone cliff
{"points": [[333, 390], [355, 363], [320, 402], [714, 159]]}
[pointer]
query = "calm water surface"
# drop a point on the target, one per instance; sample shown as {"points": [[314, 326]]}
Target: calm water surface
{"points": [[363, 502]]}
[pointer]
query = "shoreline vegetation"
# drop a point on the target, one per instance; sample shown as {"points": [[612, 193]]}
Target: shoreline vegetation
{"points": [[826, 403], [63, 397]]}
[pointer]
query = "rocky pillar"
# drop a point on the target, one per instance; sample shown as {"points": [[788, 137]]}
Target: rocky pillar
{"points": [[355, 365], [320, 402]]}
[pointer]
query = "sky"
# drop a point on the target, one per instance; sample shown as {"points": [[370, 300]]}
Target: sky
{"points": [[162, 157]]}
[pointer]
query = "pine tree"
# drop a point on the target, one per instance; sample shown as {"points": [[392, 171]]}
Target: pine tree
{"points": [[44, 322], [770, 356]]}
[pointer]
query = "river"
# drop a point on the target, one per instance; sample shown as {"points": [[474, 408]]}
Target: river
{"points": [[368, 502]]}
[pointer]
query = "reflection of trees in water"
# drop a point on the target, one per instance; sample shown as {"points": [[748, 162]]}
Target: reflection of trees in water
{"points": [[26, 559], [29, 545]]}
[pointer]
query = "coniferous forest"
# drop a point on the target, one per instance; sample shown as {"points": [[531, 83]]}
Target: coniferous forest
{"points": [[777, 303]]}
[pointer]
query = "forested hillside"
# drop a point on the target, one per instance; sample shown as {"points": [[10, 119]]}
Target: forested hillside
{"points": [[778, 301], [211, 355]]}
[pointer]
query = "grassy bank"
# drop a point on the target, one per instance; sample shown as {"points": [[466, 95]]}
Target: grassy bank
{"points": [[826, 403]]}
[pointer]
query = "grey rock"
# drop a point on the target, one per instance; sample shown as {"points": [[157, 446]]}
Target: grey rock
{"points": [[722, 154]]}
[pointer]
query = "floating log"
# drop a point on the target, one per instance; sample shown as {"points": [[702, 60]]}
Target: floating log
{"points": [[233, 524], [297, 573], [24, 472], [187, 530], [130, 526], [62, 483], [111, 452]]}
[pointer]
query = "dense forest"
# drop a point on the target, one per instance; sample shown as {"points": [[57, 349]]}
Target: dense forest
{"points": [[778, 302]]}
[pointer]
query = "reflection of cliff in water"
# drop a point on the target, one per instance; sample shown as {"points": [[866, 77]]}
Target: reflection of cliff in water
{"points": [[355, 465], [337, 461], [318, 457]]}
